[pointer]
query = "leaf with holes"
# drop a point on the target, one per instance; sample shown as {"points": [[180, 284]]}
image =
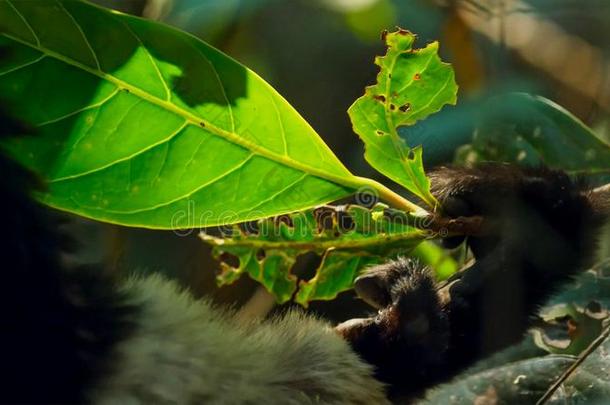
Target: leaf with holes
{"points": [[346, 238], [143, 125], [411, 84]]}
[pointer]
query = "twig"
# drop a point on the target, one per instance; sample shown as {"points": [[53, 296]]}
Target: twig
{"points": [[592, 347], [468, 226]]}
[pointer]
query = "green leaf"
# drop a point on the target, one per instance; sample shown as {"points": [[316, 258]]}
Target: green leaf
{"points": [[411, 85], [532, 130], [143, 125], [437, 258], [347, 239]]}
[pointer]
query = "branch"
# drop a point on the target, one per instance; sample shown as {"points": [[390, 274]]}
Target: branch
{"points": [[467, 226], [583, 356]]}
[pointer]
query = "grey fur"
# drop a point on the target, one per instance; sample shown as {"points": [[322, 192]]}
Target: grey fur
{"points": [[185, 351]]}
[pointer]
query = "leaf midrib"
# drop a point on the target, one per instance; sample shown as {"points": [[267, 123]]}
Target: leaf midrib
{"points": [[396, 140], [192, 119], [411, 234]]}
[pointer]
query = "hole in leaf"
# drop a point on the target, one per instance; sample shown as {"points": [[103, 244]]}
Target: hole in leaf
{"points": [[286, 219], [229, 259], [249, 228], [306, 265], [345, 222], [405, 107]]}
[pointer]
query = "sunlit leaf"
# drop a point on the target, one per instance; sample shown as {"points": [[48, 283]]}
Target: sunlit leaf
{"points": [[143, 125], [411, 84]]}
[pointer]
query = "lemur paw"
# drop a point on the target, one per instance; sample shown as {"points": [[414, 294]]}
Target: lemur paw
{"points": [[409, 331]]}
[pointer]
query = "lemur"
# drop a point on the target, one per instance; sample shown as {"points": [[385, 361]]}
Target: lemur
{"points": [[73, 335]]}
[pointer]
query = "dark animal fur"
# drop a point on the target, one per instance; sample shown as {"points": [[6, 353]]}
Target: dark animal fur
{"points": [[407, 339], [542, 229], [58, 325]]}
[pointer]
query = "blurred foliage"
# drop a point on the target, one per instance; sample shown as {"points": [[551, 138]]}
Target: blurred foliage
{"points": [[522, 374], [530, 130]]}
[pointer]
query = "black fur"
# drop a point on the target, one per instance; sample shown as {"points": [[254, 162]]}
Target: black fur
{"points": [[543, 231], [540, 230], [407, 339], [58, 325]]}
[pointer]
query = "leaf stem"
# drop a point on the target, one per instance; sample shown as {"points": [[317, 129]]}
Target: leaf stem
{"points": [[394, 199]]}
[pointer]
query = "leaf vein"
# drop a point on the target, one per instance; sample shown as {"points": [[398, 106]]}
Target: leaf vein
{"points": [[147, 148], [168, 93], [443, 87], [423, 69], [190, 193], [282, 130], [274, 195], [220, 84], [80, 29], [89, 107], [27, 24], [29, 63]]}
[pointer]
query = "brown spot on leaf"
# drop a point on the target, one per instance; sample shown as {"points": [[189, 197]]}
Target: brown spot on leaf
{"points": [[260, 254], [379, 133], [379, 97], [392, 107], [402, 31], [405, 107], [202, 124], [417, 76], [384, 35]]}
